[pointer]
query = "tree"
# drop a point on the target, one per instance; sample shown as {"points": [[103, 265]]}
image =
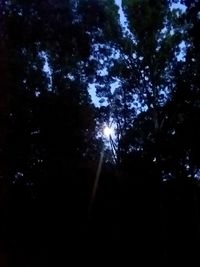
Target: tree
{"points": [[143, 63], [52, 149], [56, 49]]}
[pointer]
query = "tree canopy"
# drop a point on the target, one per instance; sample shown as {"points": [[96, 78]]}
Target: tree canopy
{"points": [[145, 73]]}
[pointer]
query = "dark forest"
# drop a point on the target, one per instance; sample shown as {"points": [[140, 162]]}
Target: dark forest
{"points": [[99, 127]]}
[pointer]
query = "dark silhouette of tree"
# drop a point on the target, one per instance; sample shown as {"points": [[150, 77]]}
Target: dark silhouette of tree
{"points": [[52, 147], [160, 145], [51, 132]]}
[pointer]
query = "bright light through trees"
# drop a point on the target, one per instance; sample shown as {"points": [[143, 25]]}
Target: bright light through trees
{"points": [[108, 131]]}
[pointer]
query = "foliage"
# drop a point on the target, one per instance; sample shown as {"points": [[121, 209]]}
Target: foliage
{"points": [[51, 133]]}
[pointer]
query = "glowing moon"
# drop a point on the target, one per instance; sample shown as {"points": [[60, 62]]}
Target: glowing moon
{"points": [[108, 131]]}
